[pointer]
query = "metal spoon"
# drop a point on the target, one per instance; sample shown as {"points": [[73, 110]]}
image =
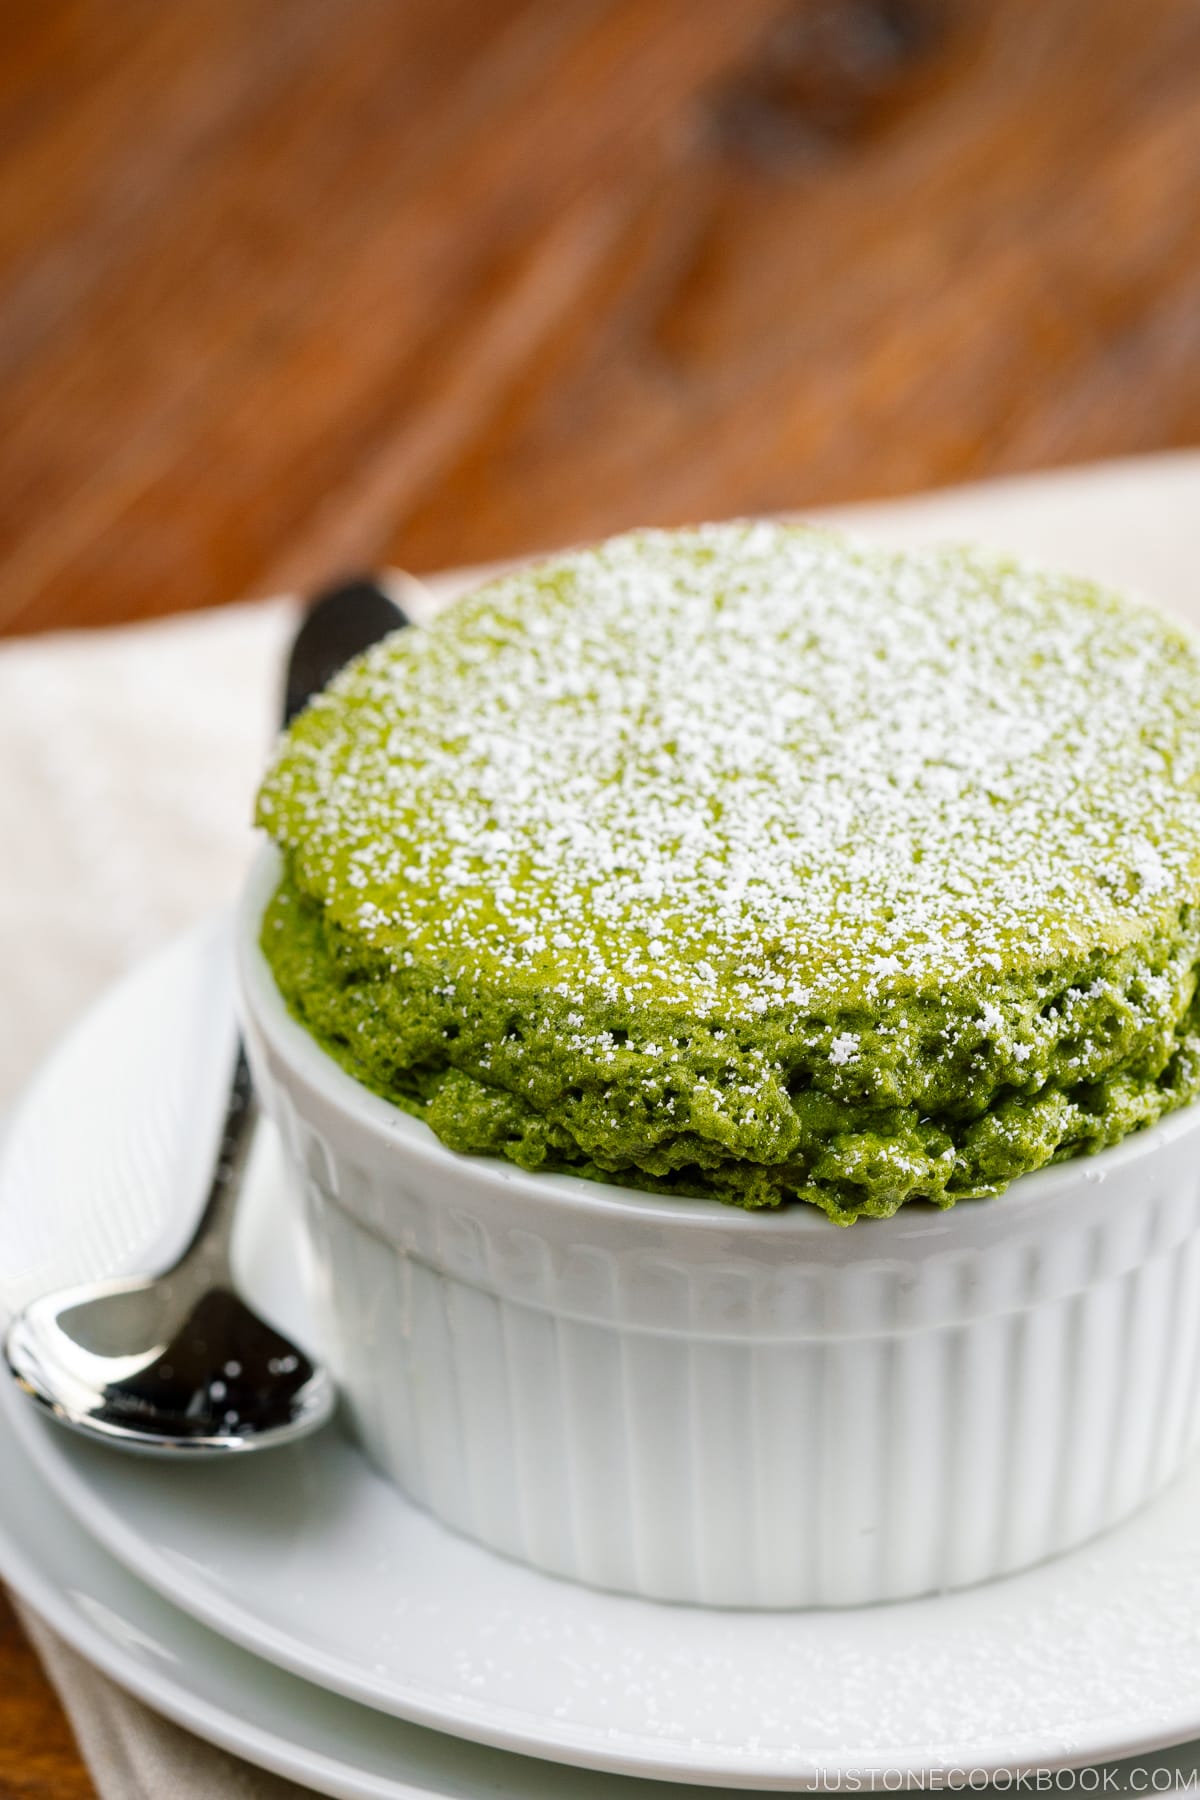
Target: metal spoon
{"points": [[177, 1364]]}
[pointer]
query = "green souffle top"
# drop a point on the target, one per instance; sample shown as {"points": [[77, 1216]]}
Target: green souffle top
{"points": [[753, 862]]}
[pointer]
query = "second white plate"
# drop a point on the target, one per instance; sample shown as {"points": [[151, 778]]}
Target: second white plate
{"points": [[310, 1561]]}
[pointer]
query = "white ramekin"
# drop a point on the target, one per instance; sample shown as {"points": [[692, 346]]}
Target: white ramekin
{"points": [[694, 1403]]}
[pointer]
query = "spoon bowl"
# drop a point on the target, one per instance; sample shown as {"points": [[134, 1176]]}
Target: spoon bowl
{"points": [[153, 1366]]}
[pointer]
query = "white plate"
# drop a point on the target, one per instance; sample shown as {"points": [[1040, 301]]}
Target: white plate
{"points": [[308, 1559], [277, 1721], [239, 1702]]}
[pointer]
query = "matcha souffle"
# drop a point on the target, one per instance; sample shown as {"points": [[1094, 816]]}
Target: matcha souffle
{"points": [[751, 862]]}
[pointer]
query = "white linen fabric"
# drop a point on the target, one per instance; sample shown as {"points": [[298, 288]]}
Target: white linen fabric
{"points": [[129, 759]]}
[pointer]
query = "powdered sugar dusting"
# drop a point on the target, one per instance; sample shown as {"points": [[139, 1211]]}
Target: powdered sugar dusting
{"points": [[755, 764]]}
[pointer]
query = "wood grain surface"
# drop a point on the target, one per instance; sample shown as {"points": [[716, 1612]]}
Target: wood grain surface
{"points": [[294, 285], [289, 287], [38, 1760]]}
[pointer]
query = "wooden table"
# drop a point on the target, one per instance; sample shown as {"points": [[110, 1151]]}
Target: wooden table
{"points": [[296, 286]]}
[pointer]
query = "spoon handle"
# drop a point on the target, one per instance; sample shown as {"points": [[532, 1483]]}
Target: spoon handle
{"points": [[340, 622], [211, 1240]]}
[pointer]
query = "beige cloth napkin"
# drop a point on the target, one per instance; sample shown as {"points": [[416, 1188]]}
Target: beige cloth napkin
{"points": [[129, 763]]}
